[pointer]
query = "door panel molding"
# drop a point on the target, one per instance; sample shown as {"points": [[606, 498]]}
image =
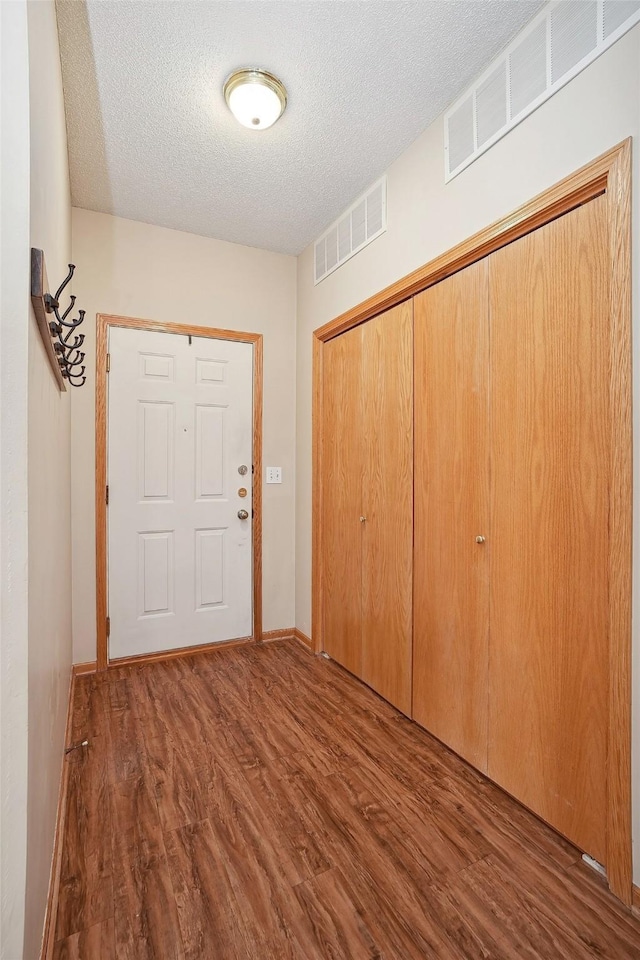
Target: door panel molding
{"points": [[103, 323], [608, 175]]}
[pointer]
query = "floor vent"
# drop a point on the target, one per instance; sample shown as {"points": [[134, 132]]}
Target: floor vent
{"points": [[565, 37], [365, 220]]}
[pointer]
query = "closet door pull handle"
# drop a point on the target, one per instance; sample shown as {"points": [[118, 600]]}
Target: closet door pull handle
{"points": [[363, 519], [480, 539]]}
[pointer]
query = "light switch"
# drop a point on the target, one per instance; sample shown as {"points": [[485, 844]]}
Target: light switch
{"points": [[274, 474]]}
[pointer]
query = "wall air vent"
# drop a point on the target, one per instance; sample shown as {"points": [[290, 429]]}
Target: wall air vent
{"points": [[365, 220], [565, 37]]}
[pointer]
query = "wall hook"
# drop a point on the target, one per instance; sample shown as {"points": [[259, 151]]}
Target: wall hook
{"points": [[61, 342]]}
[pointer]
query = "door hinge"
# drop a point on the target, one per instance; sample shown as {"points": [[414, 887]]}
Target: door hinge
{"points": [[108, 362], [107, 496], [108, 626]]}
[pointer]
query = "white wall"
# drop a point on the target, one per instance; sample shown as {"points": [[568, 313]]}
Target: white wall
{"points": [[137, 270], [49, 480], [596, 110], [35, 478], [14, 351]]}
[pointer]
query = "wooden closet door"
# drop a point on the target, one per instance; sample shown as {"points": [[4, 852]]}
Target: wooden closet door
{"points": [[550, 456], [342, 499], [387, 532], [451, 599]]}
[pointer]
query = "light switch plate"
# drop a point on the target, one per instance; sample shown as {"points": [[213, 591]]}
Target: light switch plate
{"points": [[274, 474]]}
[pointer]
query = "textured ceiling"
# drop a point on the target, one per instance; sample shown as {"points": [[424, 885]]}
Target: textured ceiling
{"points": [[151, 138]]}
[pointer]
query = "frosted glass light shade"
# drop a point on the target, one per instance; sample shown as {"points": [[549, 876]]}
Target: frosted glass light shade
{"points": [[256, 98]]}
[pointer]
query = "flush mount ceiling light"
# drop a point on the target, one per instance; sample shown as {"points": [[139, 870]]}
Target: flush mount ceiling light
{"points": [[256, 98]]}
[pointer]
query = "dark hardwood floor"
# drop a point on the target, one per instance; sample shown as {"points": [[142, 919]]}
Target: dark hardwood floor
{"points": [[260, 803]]}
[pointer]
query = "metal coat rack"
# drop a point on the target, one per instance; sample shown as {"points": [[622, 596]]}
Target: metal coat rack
{"points": [[61, 341]]}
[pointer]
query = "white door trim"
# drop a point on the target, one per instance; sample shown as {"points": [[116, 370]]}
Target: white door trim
{"points": [[103, 323]]}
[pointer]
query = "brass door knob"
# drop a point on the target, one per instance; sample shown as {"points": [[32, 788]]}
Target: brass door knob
{"points": [[243, 515], [480, 539]]}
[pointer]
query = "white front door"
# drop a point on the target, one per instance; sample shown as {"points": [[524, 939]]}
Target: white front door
{"points": [[179, 463]]}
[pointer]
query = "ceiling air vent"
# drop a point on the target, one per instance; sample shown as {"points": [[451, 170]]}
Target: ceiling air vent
{"points": [[565, 37], [365, 220]]}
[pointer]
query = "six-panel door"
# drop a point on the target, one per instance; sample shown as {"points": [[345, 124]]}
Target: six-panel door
{"points": [[179, 428]]}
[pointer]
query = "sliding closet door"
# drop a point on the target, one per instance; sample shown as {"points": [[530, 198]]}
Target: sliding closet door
{"points": [[342, 499], [387, 504], [550, 456], [451, 570]]}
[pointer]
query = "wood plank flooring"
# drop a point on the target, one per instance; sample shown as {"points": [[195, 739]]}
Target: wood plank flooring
{"points": [[261, 803]]}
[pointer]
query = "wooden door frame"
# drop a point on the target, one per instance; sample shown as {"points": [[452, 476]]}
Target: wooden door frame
{"points": [[103, 323], [610, 176]]}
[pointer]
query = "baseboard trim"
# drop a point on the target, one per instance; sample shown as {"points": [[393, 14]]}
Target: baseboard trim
{"points": [[179, 652], [302, 638], [286, 633], [51, 910], [635, 897], [267, 636], [81, 669]]}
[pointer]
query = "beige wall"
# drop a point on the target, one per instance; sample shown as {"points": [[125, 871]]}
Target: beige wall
{"points": [[592, 113], [35, 510], [49, 480], [138, 270], [14, 356]]}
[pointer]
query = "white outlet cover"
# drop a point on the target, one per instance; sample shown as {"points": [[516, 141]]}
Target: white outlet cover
{"points": [[274, 474]]}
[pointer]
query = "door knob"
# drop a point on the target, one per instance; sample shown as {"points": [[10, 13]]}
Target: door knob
{"points": [[480, 539], [243, 514], [363, 519]]}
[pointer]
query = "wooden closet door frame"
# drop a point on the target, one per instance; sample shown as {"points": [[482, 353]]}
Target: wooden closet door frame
{"points": [[610, 176], [104, 322]]}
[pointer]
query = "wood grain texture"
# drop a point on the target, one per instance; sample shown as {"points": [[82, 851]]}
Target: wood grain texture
{"points": [[387, 504], [304, 640], [608, 175], [285, 633], [258, 392], [619, 865], [53, 893], [182, 329], [451, 571], [177, 653], [102, 645], [95, 943], [86, 881], [80, 669], [103, 322], [317, 574], [550, 469], [342, 466], [291, 813], [586, 183]]}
